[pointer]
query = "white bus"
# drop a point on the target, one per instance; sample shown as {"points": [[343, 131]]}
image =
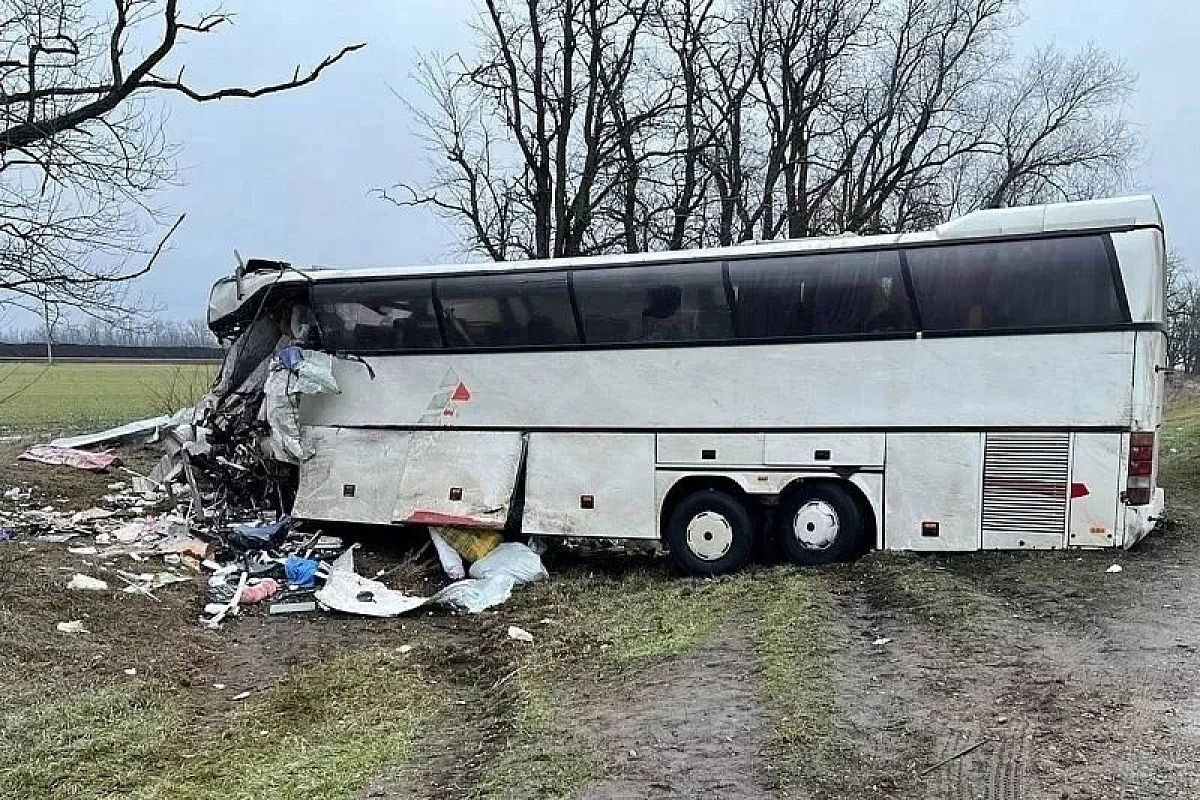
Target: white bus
{"points": [[995, 383]]}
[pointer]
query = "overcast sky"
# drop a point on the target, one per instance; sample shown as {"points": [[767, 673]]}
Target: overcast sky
{"points": [[289, 176]]}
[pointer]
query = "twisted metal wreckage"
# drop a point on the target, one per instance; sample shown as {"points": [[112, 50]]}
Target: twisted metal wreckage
{"points": [[234, 459]]}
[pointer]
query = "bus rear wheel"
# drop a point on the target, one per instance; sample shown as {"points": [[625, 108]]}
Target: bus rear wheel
{"points": [[821, 523], [710, 532]]}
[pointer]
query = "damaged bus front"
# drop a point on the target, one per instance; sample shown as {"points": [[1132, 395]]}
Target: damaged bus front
{"points": [[1003, 372]]}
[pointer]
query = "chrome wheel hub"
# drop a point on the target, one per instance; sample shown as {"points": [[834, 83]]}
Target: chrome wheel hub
{"points": [[816, 525], [709, 535]]}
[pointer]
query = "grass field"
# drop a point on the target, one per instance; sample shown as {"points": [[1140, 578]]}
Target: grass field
{"points": [[96, 393], [1005, 675]]}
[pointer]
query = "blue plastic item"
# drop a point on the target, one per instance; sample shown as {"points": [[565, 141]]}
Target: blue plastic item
{"points": [[300, 571], [291, 357]]}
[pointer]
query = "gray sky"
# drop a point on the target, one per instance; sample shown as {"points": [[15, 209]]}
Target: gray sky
{"points": [[288, 176]]}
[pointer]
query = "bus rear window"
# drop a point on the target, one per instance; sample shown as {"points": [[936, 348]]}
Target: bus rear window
{"points": [[821, 295], [376, 316], [1035, 283]]}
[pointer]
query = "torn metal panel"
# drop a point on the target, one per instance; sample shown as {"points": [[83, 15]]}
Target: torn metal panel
{"points": [[353, 476], [144, 429], [460, 479]]}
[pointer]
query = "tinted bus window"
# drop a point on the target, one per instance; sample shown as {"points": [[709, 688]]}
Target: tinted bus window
{"points": [[820, 295], [1035, 283], [668, 303], [507, 310], [376, 316]]}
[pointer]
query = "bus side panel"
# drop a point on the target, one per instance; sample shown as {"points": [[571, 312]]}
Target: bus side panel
{"points": [[1149, 379], [1141, 256], [353, 476], [459, 479], [1095, 469], [590, 484], [933, 478], [1010, 381]]}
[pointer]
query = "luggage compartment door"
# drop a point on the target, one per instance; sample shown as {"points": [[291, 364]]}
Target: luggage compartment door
{"points": [[591, 484], [352, 476], [461, 479], [932, 491]]}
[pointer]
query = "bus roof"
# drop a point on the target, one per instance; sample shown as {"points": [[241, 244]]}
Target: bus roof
{"points": [[228, 295]]}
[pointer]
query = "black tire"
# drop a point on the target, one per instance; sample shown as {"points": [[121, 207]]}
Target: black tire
{"points": [[724, 510], [834, 512]]}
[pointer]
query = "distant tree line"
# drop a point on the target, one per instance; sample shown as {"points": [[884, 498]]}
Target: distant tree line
{"points": [[1183, 317], [133, 333], [578, 127]]}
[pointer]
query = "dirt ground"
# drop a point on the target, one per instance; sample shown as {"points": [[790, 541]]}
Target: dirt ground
{"points": [[1002, 676]]}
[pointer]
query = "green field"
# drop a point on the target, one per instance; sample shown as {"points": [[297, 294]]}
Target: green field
{"points": [[96, 393]]}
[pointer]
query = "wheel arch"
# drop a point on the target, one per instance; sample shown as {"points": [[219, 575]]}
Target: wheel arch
{"points": [[689, 484], [852, 488]]}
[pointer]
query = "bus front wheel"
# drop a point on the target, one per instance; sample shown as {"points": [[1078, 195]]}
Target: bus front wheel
{"points": [[821, 523], [710, 532]]}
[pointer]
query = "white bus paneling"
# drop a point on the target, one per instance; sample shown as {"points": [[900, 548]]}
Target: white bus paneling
{"points": [[701, 449], [597, 485], [1052, 380], [353, 475], [459, 478], [824, 449], [1096, 471], [933, 478]]}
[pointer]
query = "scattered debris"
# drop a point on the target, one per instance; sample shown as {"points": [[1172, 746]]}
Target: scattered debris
{"points": [[471, 544], [74, 626], [240, 696], [261, 590], [474, 595], [452, 563], [130, 671], [66, 456], [1114, 569], [91, 515], [965, 751], [513, 559], [880, 642], [259, 535], [87, 583], [144, 431], [292, 608], [520, 634], [301, 571], [404, 649], [346, 590]]}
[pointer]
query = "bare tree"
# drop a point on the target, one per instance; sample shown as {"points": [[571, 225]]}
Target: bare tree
{"points": [[587, 127], [81, 150]]}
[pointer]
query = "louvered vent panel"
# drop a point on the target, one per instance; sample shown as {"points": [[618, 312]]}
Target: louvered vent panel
{"points": [[1025, 488]]}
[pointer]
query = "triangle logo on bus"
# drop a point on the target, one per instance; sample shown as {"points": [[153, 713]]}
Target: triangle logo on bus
{"points": [[461, 393]]}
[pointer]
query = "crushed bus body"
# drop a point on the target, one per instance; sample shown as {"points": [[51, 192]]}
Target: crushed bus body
{"points": [[995, 383]]}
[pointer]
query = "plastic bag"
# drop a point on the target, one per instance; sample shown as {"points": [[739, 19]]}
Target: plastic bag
{"points": [[474, 594], [452, 563], [471, 544], [512, 559]]}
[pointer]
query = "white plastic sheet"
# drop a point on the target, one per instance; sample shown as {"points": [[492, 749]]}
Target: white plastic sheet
{"points": [[346, 590], [311, 374], [452, 562]]}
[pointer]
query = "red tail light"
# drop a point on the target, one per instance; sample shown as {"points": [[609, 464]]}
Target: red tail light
{"points": [[1141, 468]]}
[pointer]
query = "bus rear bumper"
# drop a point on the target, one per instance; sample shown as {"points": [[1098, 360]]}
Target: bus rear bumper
{"points": [[1140, 520]]}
